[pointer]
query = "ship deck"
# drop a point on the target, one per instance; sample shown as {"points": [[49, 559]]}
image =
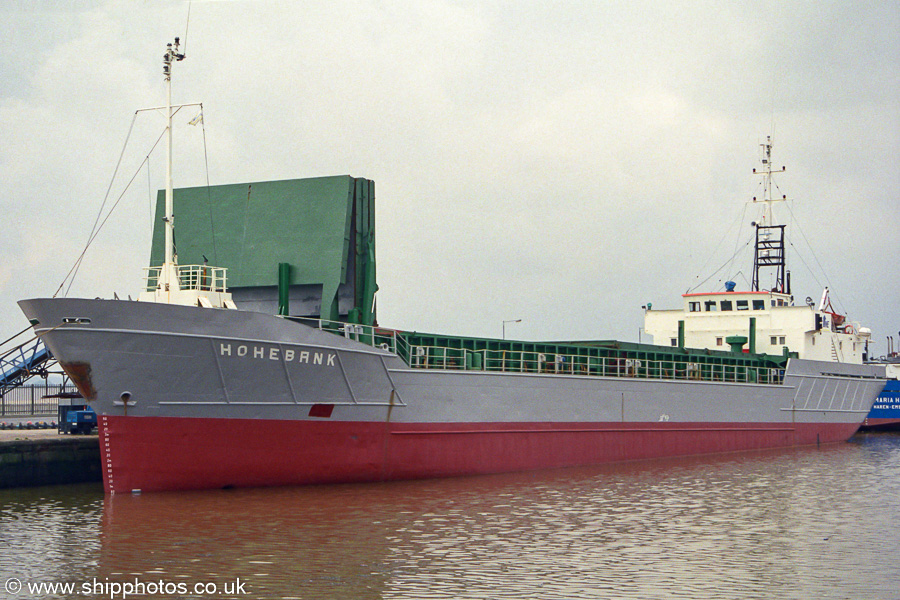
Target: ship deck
{"points": [[597, 358]]}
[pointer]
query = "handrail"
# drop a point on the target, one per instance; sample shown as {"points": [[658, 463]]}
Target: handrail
{"points": [[22, 362], [437, 357], [192, 277], [516, 361]]}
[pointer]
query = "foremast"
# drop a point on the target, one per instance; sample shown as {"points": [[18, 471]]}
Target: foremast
{"points": [[198, 285]]}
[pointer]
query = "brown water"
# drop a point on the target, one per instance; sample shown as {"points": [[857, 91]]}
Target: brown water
{"points": [[811, 523]]}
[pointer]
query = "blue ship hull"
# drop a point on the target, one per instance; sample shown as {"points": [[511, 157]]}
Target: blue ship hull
{"points": [[885, 413]]}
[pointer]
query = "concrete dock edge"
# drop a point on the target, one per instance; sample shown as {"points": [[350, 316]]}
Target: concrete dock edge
{"points": [[49, 461]]}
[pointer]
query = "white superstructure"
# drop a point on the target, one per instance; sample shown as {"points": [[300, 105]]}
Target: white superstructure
{"points": [[710, 319]]}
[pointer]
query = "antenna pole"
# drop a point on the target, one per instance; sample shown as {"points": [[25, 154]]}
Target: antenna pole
{"points": [[168, 274], [768, 218]]}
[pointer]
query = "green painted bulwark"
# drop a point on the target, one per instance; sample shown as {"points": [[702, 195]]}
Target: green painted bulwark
{"points": [[600, 357]]}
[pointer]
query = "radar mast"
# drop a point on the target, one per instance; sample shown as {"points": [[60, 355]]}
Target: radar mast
{"points": [[769, 249]]}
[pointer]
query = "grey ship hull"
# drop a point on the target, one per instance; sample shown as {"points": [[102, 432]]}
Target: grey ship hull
{"points": [[201, 398]]}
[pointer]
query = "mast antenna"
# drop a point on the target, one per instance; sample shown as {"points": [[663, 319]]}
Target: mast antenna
{"points": [[186, 25], [169, 274]]}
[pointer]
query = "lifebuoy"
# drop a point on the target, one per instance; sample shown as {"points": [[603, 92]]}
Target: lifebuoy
{"points": [[849, 329]]}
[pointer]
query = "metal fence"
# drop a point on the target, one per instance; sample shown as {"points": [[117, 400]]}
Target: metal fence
{"points": [[518, 361], [623, 363], [32, 400]]}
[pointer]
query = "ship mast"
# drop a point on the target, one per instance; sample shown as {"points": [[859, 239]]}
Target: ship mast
{"points": [[769, 250], [169, 274], [193, 285]]}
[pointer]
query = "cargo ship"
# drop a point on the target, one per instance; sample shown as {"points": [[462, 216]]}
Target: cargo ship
{"points": [[214, 379]]}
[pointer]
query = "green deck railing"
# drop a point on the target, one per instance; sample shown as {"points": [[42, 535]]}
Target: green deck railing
{"points": [[590, 359]]}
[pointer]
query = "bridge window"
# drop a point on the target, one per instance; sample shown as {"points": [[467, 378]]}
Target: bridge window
{"points": [[726, 304], [694, 306], [742, 305], [759, 305], [710, 305]]}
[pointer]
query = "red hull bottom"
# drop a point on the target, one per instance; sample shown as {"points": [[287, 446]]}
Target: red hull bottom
{"points": [[165, 453]]}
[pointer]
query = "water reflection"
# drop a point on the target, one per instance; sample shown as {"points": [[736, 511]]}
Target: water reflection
{"points": [[791, 524], [50, 533]]}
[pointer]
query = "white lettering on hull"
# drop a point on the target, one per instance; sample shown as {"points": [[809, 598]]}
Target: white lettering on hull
{"points": [[326, 359]]}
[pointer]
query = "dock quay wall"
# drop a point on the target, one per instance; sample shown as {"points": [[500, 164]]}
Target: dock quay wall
{"points": [[44, 460]]}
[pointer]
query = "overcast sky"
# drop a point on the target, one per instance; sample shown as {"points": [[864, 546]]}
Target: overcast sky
{"points": [[562, 163]]}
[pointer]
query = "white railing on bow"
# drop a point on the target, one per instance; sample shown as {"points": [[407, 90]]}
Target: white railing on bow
{"points": [[192, 277]]}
